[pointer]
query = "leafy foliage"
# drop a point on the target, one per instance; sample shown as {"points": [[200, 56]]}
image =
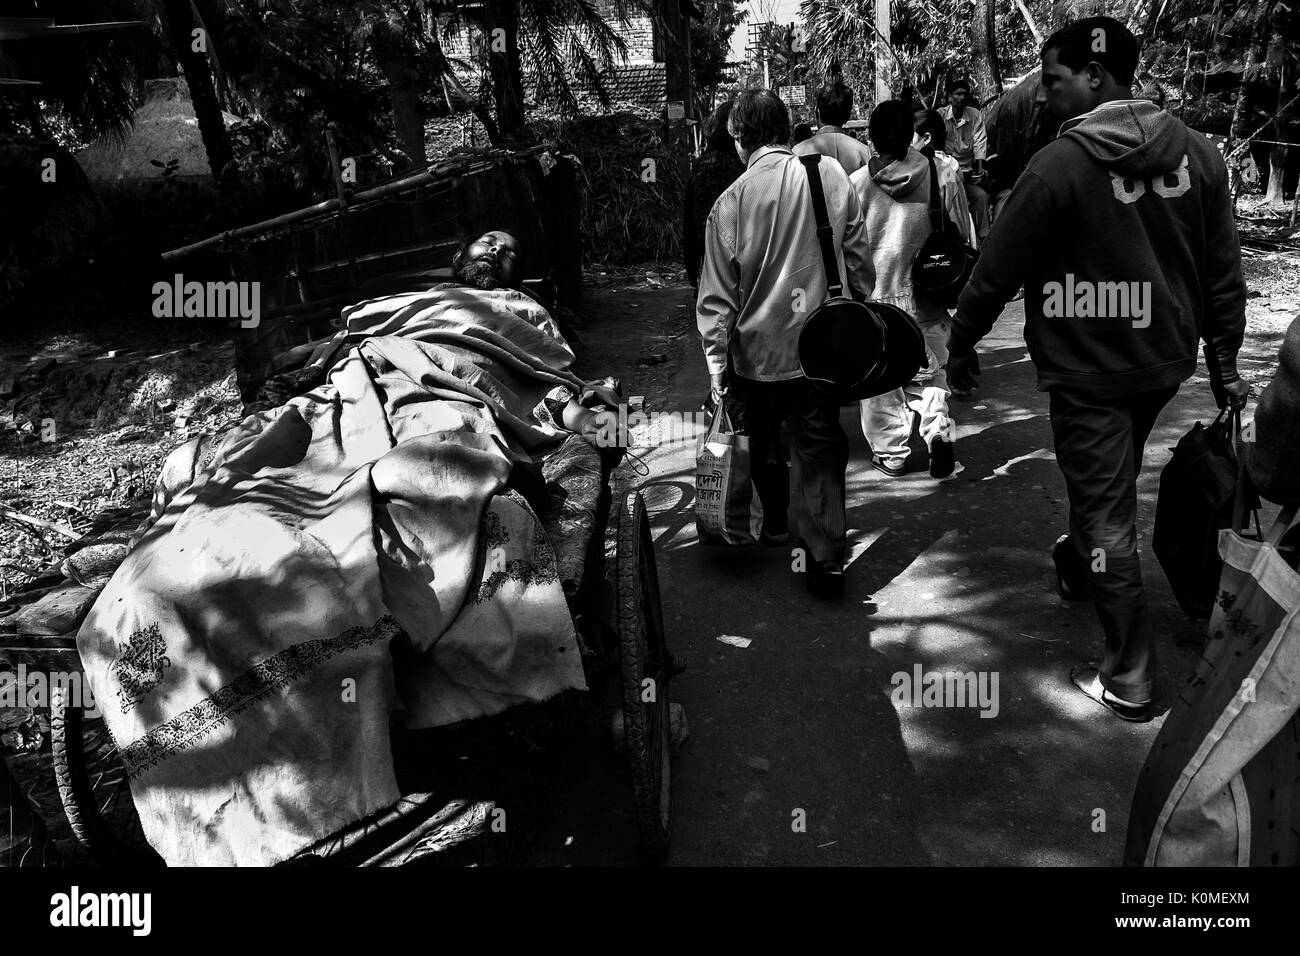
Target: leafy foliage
{"points": [[711, 45]]}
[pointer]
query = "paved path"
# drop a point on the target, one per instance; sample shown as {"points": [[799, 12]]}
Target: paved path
{"points": [[952, 576]]}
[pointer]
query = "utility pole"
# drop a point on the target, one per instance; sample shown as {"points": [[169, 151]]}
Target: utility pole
{"points": [[883, 92]]}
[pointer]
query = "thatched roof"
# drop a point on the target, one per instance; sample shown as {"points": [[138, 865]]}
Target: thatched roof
{"points": [[163, 128]]}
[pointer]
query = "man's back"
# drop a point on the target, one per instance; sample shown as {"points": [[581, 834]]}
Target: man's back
{"points": [[1122, 231], [763, 271], [833, 142], [895, 209]]}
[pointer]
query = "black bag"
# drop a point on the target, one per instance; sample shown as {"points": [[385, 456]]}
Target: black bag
{"points": [[944, 264], [853, 350], [1194, 503]]}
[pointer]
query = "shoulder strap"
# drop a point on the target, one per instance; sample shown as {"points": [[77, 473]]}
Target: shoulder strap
{"points": [[938, 217], [825, 234]]}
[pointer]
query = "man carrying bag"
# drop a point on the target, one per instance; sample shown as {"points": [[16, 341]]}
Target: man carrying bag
{"points": [[762, 275], [1121, 232]]}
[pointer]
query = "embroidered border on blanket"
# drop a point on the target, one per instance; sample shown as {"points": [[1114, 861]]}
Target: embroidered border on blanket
{"points": [[541, 570], [268, 676]]}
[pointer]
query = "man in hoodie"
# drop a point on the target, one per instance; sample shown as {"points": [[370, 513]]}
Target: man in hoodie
{"points": [[894, 192], [1121, 231]]}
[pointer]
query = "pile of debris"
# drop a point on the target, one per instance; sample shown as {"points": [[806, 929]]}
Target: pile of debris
{"points": [[84, 432]]}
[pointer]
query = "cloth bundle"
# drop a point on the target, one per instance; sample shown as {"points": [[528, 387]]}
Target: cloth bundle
{"points": [[354, 552]]}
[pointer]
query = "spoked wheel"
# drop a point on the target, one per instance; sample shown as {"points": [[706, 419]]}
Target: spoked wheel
{"points": [[647, 668]]}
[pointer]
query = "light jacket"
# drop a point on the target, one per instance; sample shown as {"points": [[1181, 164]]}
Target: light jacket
{"points": [[763, 273]]}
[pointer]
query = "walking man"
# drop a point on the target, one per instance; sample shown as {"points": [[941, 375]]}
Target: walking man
{"points": [[762, 274], [894, 192], [834, 107], [1121, 230], [967, 142]]}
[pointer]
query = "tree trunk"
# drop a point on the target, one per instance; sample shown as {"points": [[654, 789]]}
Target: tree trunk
{"points": [[1276, 168], [504, 66], [203, 94], [403, 88], [1029, 22], [986, 72], [1277, 155], [1238, 125]]}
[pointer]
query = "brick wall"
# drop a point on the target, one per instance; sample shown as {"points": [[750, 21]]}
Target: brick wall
{"points": [[637, 33]]}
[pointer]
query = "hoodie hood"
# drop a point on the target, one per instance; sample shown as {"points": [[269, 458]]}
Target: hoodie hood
{"points": [[903, 176], [1137, 140]]}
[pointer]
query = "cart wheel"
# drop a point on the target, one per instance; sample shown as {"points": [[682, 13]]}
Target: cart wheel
{"points": [[68, 746], [647, 669]]}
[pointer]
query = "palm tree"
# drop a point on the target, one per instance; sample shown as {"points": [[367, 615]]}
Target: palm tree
{"points": [[89, 81], [191, 51], [566, 43]]}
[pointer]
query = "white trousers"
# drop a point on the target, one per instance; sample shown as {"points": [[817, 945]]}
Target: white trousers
{"points": [[887, 419]]}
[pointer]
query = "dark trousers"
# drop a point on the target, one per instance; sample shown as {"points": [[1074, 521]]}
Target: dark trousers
{"points": [[1099, 445], [819, 456], [978, 201]]}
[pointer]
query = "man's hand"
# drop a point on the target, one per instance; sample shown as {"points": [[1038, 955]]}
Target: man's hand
{"points": [[717, 388], [1236, 394], [599, 428], [963, 368]]}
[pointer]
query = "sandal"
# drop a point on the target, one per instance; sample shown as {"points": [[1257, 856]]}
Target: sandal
{"points": [[1082, 676]]}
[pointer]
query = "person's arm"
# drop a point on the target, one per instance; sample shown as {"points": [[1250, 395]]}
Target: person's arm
{"points": [[979, 140], [860, 270], [954, 201], [1010, 253], [1224, 325], [1273, 458], [718, 303]]}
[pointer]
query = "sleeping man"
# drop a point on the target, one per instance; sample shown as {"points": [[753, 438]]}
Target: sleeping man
{"points": [[357, 551]]}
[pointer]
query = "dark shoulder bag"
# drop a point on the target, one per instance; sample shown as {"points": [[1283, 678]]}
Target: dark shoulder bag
{"points": [[944, 264], [849, 349]]}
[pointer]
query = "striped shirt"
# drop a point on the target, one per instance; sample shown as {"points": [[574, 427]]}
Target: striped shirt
{"points": [[763, 273]]}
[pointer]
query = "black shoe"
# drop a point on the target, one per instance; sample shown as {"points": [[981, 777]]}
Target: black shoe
{"points": [[893, 471], [826, 579], [1070, 582], [942, 458], [774, 538]]}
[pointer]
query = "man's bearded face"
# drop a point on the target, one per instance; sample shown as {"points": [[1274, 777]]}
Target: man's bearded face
{"points": [[481, 273], [490, 262]]}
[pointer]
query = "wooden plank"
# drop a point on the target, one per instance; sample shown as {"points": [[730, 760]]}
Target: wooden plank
{"points": [[58, 612], [33, 521]]}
